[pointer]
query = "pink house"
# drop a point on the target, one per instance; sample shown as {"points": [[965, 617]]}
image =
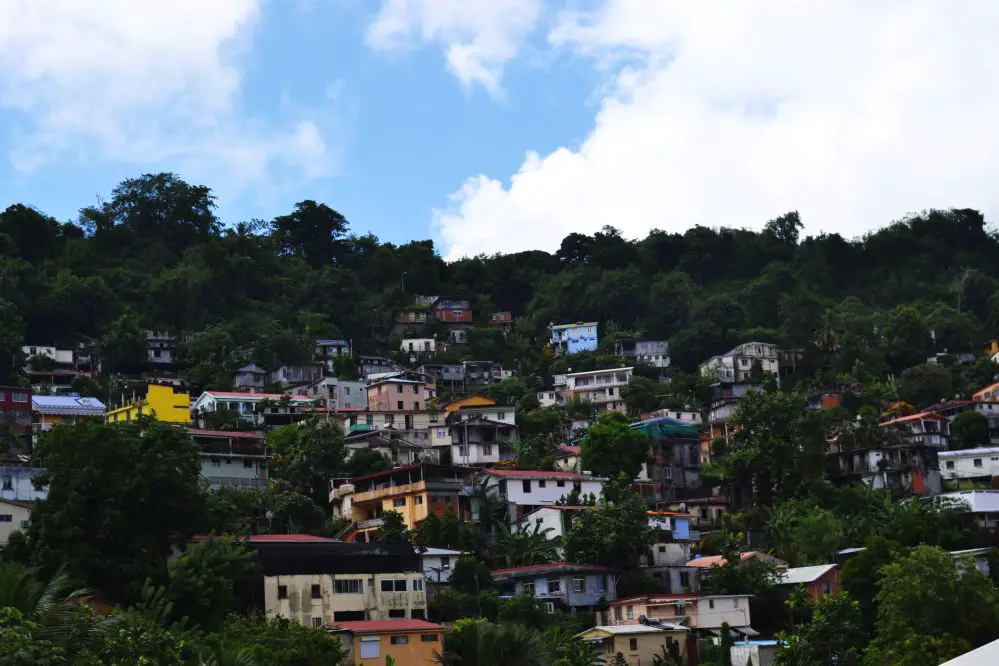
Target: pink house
{"points": [[397, 394]]}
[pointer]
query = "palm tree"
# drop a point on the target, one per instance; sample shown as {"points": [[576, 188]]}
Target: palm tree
{"points": [[525, 548], [223, 655], [54, 606], [569, 650], [480, 643]]}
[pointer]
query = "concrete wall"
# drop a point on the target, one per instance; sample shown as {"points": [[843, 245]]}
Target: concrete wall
{"points": [[372, 601]]}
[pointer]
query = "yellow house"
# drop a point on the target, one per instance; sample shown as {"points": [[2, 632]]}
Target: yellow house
{"points": [[469, 401], [637, 643], [160, 402], [408, 642], [992, 348]]}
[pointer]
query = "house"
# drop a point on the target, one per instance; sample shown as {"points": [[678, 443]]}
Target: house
{"points": [[232, 458], [253, 407], [447, 376], [425, 427], [452, 311], [502, 320], [637, 643], [15, 411], [674, 470], [392, 445], [736, 365], [970, 464], [757, 652], [438, 563], [701, 612], [568, 458], [482, 435], [159, 345], [162, 403], [59, 357], [688, 416], [819, 580], [550, 398], [908, 460], [650, 352], [469, 401], [415, 491], [407, 642], [371, 365], [560, 585], [705, 512], [326, 351], [668, 555], [15, 515], [16, 482], [400, 394], [711, 561], [318, 581], [338, 394], [573, 338], [421, 348], [250, 377], [410, 318], [982, 504], [526, 490], [602, 388], [49, 410], [289, 375], [987, 394], [481, 373]]}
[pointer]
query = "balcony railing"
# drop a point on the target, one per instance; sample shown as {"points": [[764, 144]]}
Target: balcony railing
{"points": [[359, 427], [217, 482]]}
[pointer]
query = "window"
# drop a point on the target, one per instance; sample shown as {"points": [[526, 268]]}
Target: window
{"points": [[736, 602], [216, 462], [399, 501], [684, 579], [399, 640], [418, 499], [346, 390], [541, 484], [826, 589], [428, 638], [369, 647], [442, 432], [317, 592], [394, 585], [398, 388], [248, 464], [6, 518], [617, 612], [527, 485], [418, 585], [348, 586], [578, 584], [416, 405], [445, 562], [554, 586], [418, 614], [396, 613], [560, 484], [25, 524], [631, 612], [416, 388], [633, 644], [463, 450], [950, 464], [662, 548], [529, 588], [433, 418], [487, 449], [317, 622], [711, 603], [17, 396], [8, 483], [369, 419], [978, 462], [601, 583], [501, 416], [399, 404], [282, 591]]}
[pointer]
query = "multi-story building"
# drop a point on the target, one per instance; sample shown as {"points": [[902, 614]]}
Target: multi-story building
{"points": [[318, 581], [415, 491], [253, 408], [674, 469], [160, 346], [502, 320], [394, 446], [407, 392], [338, 394], [706, 613], [602, 388], [416, 348], [16, 482], [523, 491], [736, 365], [327, 351], [250, 377], [15, 412], [449, 377], [452, 311], [638, 644], [482, 435], [420, 427], [652, 352], [438, 563], [159, 402], [48, 411], [289, 375], [373, 365], [907, 458], [481, 373], [410, 642], [232, 459], [560, 585], [50, 369], [573, 338], [550, 397], [979, 464]]}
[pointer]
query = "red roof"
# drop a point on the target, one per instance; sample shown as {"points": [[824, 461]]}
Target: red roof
{"points": [[198, 432], [652, 598], [569, 450], [718, 560], [914, 417], [553, 565], [279, 538], [371, 626], [533, 474], [256, 396]]}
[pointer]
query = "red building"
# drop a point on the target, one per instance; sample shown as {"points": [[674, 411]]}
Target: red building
{"points": [[15, 410], [453, 311]]}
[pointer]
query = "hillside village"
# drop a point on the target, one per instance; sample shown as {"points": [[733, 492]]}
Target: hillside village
{"points": [[406, 485]]}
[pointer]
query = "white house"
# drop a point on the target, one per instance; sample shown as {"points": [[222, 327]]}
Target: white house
{"points": [[14, 516], [602, 388], [438, 563], [969, 463], [482, 434], [245, 404], [16, 484], [982, 504], [526, 490], [60, 356], [736, 365], [549, 398]]}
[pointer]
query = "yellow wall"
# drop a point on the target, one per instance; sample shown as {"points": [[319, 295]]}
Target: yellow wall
{"points": [[647, 645], [414, 653], [470, 401], [160, 402], [992, 348]]}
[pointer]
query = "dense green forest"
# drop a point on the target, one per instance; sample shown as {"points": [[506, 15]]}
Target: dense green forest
{"points": [[156, 255]]}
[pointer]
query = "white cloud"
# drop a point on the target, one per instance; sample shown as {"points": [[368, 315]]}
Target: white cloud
{"points": [[144, 83], [728, 114], [479, 36]]}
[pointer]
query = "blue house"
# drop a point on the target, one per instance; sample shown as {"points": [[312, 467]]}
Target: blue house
{"points": [[573, 338], [564, 585]]}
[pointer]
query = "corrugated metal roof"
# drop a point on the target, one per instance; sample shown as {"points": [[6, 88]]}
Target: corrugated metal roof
{"points": [[799, 575]]}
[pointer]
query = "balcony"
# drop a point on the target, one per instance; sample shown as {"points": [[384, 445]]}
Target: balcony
{"points": [[359, 427], [217, 482]]}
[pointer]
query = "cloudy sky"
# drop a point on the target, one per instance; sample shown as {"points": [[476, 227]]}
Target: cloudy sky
{"points": [[503, 125]]}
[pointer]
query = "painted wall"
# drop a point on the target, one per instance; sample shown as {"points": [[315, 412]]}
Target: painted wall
{"points": [[376, 604], [417, 650], [13, 518]]}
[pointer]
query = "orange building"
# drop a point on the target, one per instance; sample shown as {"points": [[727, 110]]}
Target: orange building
{"points": [[818, 580], [469, 401], [408, 642]]}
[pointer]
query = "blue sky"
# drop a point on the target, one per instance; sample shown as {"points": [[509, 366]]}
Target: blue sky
{"points": [[503, 125]]}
